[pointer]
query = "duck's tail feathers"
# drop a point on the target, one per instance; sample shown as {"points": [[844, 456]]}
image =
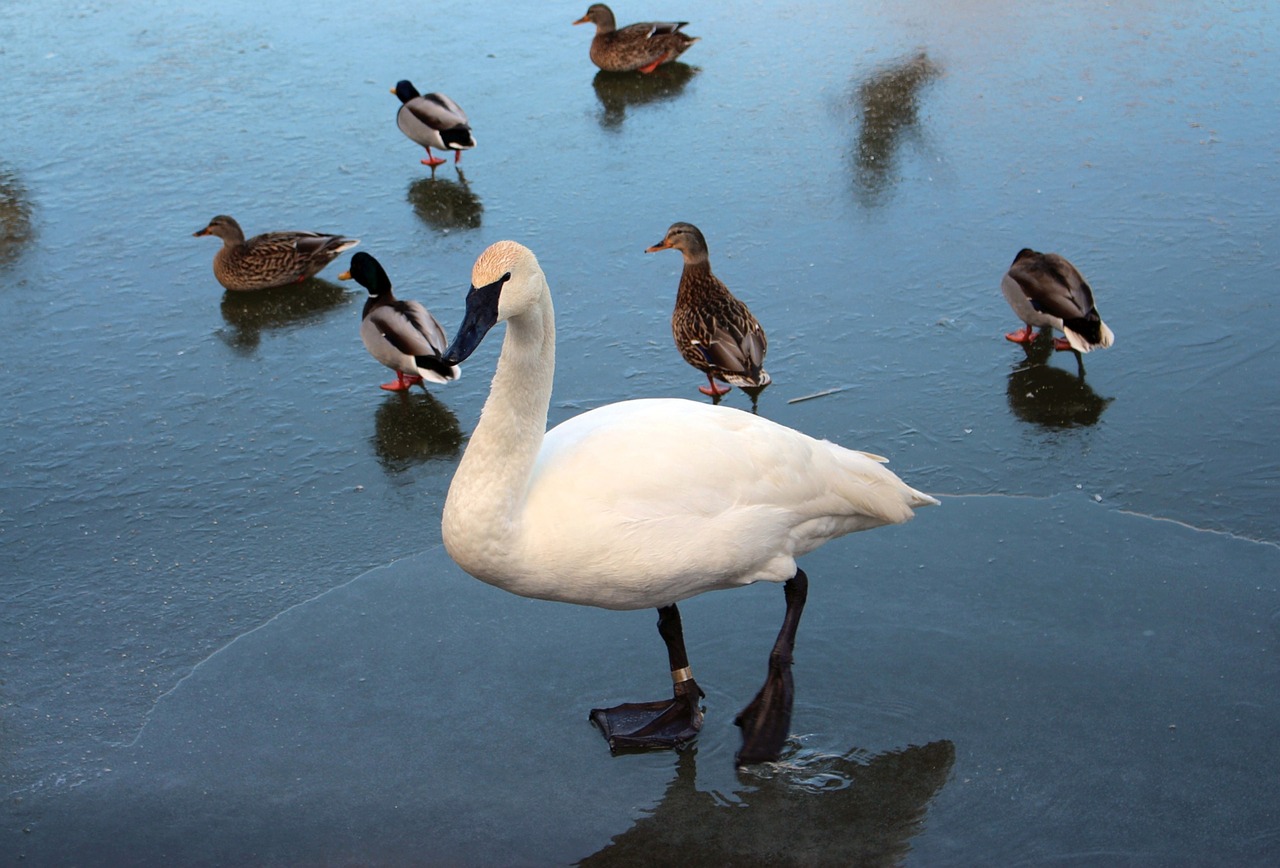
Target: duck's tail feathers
{"points": [[434, 369], [1087, 334], [459, 138]]}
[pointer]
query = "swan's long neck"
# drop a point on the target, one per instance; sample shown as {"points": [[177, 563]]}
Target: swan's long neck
{"points": [[481, 512]]}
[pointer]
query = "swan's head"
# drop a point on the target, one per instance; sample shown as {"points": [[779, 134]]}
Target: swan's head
{"points": [[506, 281], [367, 272]]}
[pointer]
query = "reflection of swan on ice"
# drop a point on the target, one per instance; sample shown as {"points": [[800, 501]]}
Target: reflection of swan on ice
{"points": [[836, 810]]}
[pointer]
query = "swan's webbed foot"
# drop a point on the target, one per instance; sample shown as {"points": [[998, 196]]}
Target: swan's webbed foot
{"points": [[663, 723], [766, 721]]}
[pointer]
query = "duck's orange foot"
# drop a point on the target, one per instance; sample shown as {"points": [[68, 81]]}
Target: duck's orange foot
{"points": [[402, 382], [714, 391], [1061, 344], [1025, 336], [433, 162], [650, 67]]}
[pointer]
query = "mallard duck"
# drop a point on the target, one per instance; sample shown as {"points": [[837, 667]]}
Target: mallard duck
{"points": [[272, 258], [433, 121], [644, 503], [402, 335], [644, 46], [1046, 291], [714, 331]]}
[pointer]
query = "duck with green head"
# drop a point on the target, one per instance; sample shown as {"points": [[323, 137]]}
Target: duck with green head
{"points": [[401, 334]]}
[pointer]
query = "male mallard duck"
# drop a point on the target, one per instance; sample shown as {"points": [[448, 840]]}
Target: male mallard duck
{"points": [[270, 259], [433, 121], [402, 335], [714, 331], [1045, 290], [644, 46], [644, 503]]}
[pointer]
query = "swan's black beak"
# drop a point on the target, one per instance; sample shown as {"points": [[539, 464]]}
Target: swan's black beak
{"points": [[481, 315]]}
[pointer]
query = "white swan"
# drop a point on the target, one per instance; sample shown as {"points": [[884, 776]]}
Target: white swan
{"points": [[643, 503]]}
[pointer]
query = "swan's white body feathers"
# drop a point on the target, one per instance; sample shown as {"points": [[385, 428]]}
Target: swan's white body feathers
{"points": [[641, 503]]}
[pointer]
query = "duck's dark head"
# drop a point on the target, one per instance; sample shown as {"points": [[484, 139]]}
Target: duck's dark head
{"points": [[601, 16], [367, 272], [686, 238], [405, 90], [223, 227]]}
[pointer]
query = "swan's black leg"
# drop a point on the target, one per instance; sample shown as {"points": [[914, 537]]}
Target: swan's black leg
{"points": [[664, 722], [767, 720]]}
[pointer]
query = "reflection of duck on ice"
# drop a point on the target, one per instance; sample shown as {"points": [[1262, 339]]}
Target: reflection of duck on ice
{"points": [[619, 91], [412, 428], [249, 314], [444, 204]]}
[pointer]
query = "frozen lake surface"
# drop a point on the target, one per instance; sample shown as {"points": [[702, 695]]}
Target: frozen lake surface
{"points": [[229, 633]]}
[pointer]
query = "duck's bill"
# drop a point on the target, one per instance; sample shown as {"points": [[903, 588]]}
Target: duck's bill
{"points": [[661, 245], [346, 275], [481, 315]]}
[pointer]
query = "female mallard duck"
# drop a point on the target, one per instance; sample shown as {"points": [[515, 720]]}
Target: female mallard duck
{"points": [[644, 46], [1046, 291], [270, 259], [433, 121], [714, 331], [644, 503], [402, 335]]}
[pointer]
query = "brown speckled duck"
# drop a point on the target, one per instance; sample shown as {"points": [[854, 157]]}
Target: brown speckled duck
{"points": [[270, 259], [643, 46], [714, 331], [1046, 291]]}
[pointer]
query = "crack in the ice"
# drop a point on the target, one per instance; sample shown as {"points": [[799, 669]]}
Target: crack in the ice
{"points": [[146, 718]]}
